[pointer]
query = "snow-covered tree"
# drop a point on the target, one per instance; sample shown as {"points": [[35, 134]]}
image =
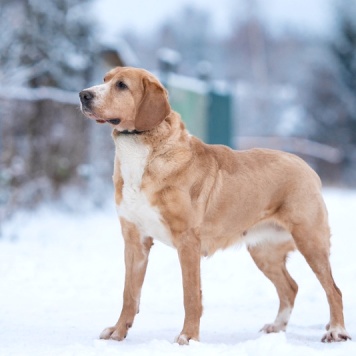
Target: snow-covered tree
{"points": [[344, 50], [189, 33], [45, 43], [330, 91]]}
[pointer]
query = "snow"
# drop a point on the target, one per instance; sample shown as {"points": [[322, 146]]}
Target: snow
{"points": [[62, 276]]}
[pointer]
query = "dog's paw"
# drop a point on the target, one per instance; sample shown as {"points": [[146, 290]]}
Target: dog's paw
{"points": [[183, 339], [273, 328], [114, 333], [335, 334]]}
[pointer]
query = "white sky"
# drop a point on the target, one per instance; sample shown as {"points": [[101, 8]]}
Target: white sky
{"points": [[115, 16]]}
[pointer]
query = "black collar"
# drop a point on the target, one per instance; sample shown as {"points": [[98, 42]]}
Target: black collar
{"points": [[133, 132]]}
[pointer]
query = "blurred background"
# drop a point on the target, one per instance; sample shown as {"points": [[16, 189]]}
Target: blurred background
{"points": [[247, 73]]}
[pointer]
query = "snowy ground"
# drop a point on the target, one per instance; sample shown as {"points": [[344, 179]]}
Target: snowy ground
{"points": [[61, 281]]}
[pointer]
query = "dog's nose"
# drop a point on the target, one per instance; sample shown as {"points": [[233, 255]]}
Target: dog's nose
{"points": [[86, 96]]}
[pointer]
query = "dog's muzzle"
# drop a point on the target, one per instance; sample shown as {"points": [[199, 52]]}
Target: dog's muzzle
{"points": [[86, 98]]}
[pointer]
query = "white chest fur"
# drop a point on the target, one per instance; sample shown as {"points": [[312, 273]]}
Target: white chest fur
{"points": [[135, 206]]}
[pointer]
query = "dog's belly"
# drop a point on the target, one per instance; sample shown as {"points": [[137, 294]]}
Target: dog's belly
{"points": [[261, 233], [266, 233]]}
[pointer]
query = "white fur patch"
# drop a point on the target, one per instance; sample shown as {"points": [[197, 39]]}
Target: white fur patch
{"points": [[135, 207], [266, 232], [100, 91], [283, 316]]}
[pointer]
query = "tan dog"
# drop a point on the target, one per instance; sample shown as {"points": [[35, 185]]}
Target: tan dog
{"points": [[199, 198]]}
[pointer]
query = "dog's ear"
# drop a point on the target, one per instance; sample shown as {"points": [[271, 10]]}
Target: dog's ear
{"points": [[154, 106]]}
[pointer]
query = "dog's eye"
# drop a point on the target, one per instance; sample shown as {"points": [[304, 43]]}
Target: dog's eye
{"points": [[121, 85]]}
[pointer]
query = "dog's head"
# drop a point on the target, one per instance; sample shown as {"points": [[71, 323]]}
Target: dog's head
{"points": [[130, 99]]}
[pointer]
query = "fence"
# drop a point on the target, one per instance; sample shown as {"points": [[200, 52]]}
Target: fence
{"points": [[205, 107]]}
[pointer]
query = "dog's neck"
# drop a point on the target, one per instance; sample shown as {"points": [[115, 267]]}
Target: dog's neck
{"points": [[163, 137]]}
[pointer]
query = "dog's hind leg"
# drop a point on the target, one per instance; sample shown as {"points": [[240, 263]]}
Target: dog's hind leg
{"points": [[270, 258], [314, 244]]}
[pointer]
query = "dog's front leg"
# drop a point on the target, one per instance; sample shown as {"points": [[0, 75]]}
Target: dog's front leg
{"points": [[136, 259], [188, 246]]}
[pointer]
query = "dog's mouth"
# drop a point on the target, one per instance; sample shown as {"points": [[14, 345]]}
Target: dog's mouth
{"points": [[110, 121], [89, 113]]}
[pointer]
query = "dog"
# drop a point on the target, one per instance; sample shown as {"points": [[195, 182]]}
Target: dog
{"points": [[199, 198]]}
